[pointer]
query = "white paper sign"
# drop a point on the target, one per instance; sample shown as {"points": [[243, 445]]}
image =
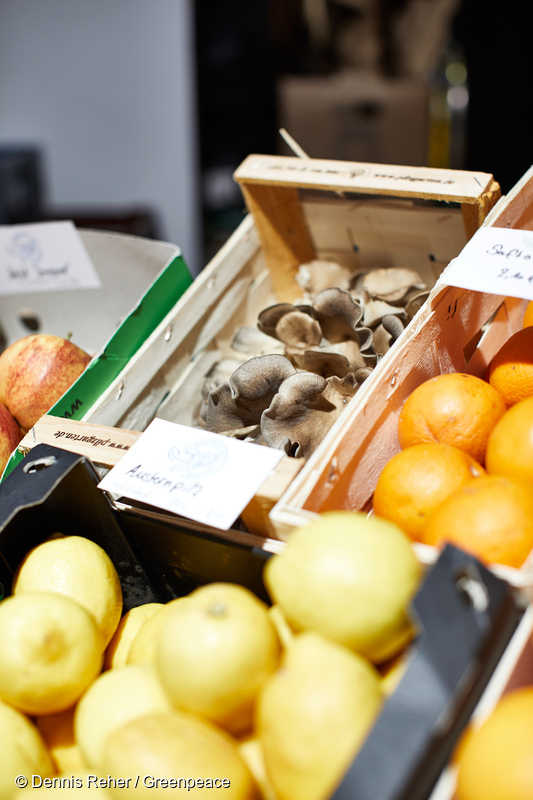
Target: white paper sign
{"points": [[44, 257], [495, 261], [200, 475]]}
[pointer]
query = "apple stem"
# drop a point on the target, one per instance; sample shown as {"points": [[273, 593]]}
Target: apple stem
{"points": [[69, 336]]}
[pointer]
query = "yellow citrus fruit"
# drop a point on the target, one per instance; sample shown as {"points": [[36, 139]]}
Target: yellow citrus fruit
{"points": [[78, 568], [454, 408], [23, 751], [131, 622], [313, 714], [57, 731], [417, 479], [114, 698], [496, 759], [491, 517], [528, 315], [217, 646], [510, 445], [189, 756], [511, 369], [51, 652], [319, 575], [144, 645]]}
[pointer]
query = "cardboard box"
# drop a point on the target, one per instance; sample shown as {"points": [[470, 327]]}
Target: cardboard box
{"points": [[141, 279], [356, 116]]}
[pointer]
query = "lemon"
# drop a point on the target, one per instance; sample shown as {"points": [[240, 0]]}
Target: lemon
{"points": [[177, 746], [145, 642], [117, 650], [313, 715], [77, 568], [216, 648], [23, 751], [114, 698], [350, 577], [51, 652], [57, 731]]}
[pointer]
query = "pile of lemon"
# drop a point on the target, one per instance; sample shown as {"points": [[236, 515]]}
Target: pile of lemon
{"points": [[213, 690]]}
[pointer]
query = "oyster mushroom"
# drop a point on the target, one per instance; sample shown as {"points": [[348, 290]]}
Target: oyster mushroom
{"points": [[337, 313], [387, 332], [414, 301], [313, 276], [298, 330], [269, 317], [251, 341], [303, 411], [388, 283], [323, 337], [239, 402]]}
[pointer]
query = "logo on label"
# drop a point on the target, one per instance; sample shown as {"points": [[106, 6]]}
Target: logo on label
{"points": [[198, 460]]}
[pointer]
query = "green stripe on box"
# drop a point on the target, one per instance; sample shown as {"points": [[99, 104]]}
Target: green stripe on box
{"points": [[140, 323], [155, 304]]}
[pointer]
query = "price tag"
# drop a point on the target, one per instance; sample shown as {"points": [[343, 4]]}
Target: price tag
{"points": [[495, 261], [204, 476], [44, 257]]}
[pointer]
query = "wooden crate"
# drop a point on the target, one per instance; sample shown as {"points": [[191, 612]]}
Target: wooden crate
{"points": [[364, 216], [456, 331]]}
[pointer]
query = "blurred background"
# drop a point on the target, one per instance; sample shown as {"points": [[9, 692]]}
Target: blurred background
{"points": [[132, 116]]}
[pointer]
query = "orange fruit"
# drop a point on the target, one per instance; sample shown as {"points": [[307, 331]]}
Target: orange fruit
{"points": [[510, 445], [528, 316], [456, 409], [496, 760], [491, 517], [511, 369], [417, 479]]}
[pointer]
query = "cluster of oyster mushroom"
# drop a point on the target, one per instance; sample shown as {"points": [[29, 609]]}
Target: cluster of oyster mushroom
{"points": [[308, 359]]}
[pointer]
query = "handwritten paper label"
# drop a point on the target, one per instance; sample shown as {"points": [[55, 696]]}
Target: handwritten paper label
{"points": [[44, 257], [200, 475], [495, 261]]}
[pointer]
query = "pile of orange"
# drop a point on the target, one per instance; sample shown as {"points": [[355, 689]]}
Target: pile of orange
{"points": [[464, 473]]}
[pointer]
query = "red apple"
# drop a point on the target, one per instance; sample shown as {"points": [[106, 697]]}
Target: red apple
{"points": [[10, 436], [35, 372]]}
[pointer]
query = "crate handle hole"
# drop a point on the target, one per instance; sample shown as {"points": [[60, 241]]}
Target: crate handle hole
{"points": [[470, 585], [38, 464]]}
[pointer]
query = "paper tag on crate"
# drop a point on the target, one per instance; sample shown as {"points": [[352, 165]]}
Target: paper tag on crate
{"points": [[200, 475], [44, 257], [495, 261]]}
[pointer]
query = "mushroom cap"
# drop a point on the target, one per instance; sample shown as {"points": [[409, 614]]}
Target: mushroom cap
{"points": [[303, 411], [268, 318], [298, 329], [322, 360], [240, 401], [338, 314], [390, 283], [318, 274], [251, 341]]}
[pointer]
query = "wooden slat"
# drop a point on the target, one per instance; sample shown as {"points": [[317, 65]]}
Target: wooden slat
{"points": [[105, 446], [383, 179], [286, 242]]}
